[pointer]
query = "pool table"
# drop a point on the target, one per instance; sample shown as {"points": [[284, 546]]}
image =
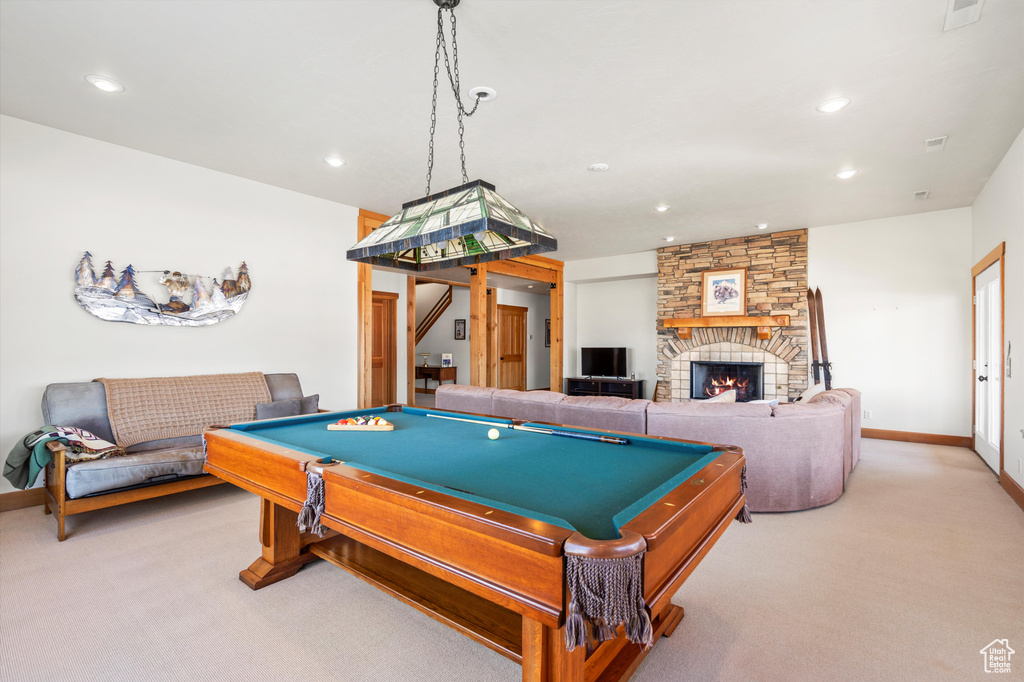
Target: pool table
{"points": [[488, 535]]}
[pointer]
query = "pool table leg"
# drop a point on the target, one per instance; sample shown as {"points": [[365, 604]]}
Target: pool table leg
{"points": [[282, 547], [545, 658]]}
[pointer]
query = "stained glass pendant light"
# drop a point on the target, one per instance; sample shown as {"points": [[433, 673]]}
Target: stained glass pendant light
{"points": [[464, 225]]}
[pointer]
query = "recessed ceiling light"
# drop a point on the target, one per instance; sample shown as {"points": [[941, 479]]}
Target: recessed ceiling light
{"points": [[661, 208], [529, 286], [831, 106], [334, 161], [670, 239], [103, 83], [597, 167], [846, 174], [762, 226]]}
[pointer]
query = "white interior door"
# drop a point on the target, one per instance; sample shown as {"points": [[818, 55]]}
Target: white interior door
{"points": [[988, 366]]}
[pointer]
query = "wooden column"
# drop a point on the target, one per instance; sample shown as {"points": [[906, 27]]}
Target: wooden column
{"points": [[492, 337], [557, 318], [367, 222], [410, 341], [478, 310]]}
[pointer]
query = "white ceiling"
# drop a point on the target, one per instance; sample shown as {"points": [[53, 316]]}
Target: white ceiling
{"points": [[707, 106]]}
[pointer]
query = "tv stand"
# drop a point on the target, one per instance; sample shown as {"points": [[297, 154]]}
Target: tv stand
{"points": [[615, 388]]}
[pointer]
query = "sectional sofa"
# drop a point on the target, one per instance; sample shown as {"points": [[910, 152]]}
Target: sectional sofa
{"points": [[799, 455]]}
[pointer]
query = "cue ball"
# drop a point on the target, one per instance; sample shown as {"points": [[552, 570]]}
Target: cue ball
{"points": [[493, 434]]}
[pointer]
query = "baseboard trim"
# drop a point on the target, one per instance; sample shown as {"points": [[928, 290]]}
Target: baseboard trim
{"points": [[20, 499], [911, 437], [1013, 488]]}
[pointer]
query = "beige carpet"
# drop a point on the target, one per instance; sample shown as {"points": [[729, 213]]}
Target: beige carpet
{"points": [[906, 577]]}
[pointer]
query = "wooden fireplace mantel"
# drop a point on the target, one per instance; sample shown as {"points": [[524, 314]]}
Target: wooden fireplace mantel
{"points": [[685, 326]]}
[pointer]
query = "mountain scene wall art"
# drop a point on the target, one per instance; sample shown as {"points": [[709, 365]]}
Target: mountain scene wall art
{"points": [[190, 302]]}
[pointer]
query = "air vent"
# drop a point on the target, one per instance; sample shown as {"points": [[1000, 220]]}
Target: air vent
{"points": [[936, 144], [962, 12], [922, 193]]}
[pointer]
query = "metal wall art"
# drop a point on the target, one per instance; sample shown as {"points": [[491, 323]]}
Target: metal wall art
{"points": [[119, 299]]}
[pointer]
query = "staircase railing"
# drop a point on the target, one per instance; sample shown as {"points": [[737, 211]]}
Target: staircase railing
{"points": [[435, 313]]}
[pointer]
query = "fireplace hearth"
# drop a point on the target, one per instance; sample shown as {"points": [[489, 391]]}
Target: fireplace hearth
{"points": [[708, 379]]}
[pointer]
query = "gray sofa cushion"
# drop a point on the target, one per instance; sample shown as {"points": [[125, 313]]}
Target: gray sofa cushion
{"points": [[536, 406], [99, 475], [475, 399], [283, 386], [604, 412], [82, 404]]}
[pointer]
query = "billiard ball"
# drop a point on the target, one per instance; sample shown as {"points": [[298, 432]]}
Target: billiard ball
{"points": [[493, 434]]}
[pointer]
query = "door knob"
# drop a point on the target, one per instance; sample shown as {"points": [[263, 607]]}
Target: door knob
{"points": [[982, 378]]}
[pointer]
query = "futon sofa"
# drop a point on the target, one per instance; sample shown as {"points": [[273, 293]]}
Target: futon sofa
{"points": [[799, 455], [155, 467]]}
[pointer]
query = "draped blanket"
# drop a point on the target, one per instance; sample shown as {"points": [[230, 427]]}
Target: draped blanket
{"points": [[154, 408], [30, 455]]}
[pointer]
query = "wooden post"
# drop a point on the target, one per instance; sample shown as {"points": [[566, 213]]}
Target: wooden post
{"points": [[410, 340], [492, 337], [557, 319], [368, 221], [478, 326]]}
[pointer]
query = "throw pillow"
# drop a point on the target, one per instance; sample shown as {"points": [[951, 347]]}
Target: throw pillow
{"points": [[288, 408], [814, 390], [310, 404], [726, 397]]}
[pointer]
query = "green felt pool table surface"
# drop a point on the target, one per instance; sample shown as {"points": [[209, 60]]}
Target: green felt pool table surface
{"points": [[592, 487]]}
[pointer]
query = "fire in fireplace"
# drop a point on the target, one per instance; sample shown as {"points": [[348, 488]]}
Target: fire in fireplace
{"points": [[708, 379]]}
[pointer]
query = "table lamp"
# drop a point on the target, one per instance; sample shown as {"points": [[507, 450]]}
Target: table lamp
{"points": [[426, 356]]}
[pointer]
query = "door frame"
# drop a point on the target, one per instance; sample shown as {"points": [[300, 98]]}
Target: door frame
{"points": [[392, 351], [997, 254], [497, 344]]}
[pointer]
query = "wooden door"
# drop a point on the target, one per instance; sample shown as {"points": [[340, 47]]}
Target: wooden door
{"points": [[383, 349], [512, 347]]}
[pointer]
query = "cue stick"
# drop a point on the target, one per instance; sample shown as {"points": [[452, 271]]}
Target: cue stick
{"points": [[615, 440]]}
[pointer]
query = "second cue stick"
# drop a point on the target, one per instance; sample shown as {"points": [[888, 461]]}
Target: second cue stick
{"points": [[615, 440]]}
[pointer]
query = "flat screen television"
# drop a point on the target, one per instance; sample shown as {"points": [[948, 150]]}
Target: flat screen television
{"points": [[604, 362]]}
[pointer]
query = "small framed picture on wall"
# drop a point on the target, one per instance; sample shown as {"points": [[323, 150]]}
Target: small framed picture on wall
{"points": [[460, 330], [724, 292], [547, 333]]}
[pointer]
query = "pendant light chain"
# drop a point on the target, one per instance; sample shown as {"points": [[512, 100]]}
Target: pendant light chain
{"points": [[452, 69]]}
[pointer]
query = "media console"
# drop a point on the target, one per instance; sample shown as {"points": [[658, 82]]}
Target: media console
{"points": [[615, 388]]}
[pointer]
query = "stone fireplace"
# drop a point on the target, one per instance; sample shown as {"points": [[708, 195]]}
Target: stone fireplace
{"points": [[776, 285]]}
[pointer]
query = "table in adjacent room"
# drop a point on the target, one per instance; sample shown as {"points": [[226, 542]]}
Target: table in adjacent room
{"points": [[435, 373], [489, 536]]}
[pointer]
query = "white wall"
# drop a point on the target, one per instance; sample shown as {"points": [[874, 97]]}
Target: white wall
{"points": [[999, 216], [898, 316], [613, 301], [621, 313], [426, 296], [64, 194]]}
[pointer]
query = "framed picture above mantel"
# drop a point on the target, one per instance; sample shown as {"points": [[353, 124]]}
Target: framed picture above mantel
{"points": [[723, 292]]}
